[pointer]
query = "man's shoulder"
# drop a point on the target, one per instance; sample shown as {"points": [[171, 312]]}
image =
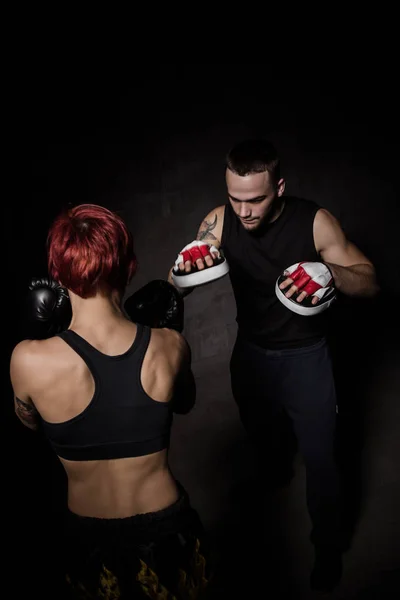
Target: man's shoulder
{"points": [[300, 206], [211, 226], [219, 211]]}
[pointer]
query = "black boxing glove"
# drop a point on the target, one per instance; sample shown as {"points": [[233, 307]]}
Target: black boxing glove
{"points": [[48, 308], [158, 304]]}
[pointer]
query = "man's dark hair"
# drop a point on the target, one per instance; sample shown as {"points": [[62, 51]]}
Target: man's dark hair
{"points": [[254, 156]]}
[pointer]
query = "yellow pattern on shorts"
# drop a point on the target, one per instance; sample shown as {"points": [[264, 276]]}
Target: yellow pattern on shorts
{"points": [[108, 587], [190, 586]]}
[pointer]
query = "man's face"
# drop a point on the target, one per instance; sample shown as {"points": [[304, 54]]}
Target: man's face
{"points": [[253, 197]]}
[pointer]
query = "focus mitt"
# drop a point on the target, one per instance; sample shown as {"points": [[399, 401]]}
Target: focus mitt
{"points": [[311, 280], [193, 252]]}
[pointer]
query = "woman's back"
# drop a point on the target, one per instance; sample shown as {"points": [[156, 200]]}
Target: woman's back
{"points": [[103, 394]]}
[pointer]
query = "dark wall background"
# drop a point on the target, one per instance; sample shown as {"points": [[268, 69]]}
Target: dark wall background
{"points": [[151, 145]]}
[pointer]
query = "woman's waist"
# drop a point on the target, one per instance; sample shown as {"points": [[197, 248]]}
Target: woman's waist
{"points": [[91, 534], [120, 488]]}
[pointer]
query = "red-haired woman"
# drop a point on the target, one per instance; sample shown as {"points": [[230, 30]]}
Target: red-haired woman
{"points": [[103, 393]]}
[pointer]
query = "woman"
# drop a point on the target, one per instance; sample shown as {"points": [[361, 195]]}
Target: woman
{"points": [[103, 392]]}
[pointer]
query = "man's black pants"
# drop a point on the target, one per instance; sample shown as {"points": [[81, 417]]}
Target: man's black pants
{"points": [[284, 392]]}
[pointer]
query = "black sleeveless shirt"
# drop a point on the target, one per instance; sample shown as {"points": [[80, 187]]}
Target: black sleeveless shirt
{"points": [[256, 260]]}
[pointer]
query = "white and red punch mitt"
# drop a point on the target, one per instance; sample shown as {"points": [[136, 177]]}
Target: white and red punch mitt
{"points": [[192, 252], [313, 278]]}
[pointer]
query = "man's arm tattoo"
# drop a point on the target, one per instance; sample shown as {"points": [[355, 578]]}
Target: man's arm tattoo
{"points": [[26, 412], [205, 232]]}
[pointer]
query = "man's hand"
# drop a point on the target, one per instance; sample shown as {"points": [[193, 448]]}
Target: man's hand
{"points": [[209, 233], [198, 255], [307, 279]]}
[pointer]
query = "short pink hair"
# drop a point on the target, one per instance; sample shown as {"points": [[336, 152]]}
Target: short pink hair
{"points": [[89, 249]]}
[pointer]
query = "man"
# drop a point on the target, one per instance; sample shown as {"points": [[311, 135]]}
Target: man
{"points": [[103, 393], [280, 365]]}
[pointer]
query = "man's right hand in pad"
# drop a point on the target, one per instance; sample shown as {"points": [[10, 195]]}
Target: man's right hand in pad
{"points": [[196, 255]]}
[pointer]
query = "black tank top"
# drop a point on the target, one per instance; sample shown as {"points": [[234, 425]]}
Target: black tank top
{"points": [[256, 260], [121, 420]]}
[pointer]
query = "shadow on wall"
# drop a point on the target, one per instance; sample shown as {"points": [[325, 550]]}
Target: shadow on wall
{"points": [[361, 340]]}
